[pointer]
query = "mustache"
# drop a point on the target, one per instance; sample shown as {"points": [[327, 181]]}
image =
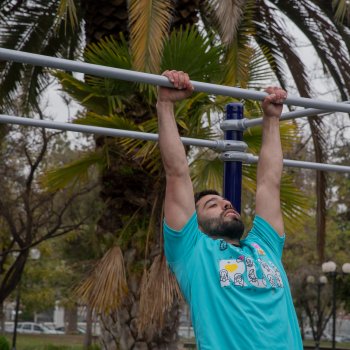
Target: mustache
{"points": [[230, 210]]}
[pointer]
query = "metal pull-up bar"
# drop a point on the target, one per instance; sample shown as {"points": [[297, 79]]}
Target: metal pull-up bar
{"points": [[139, 77], [220, 145], [232, 150], [233, 156], [243, 124]]}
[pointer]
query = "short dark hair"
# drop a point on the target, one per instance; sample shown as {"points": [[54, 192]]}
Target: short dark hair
{"points": [[199, 195]]}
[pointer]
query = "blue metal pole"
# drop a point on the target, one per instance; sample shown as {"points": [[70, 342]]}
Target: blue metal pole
{"points": [[233, 170]]}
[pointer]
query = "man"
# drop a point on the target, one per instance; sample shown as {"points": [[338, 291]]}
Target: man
{"points": [[237, 289]]}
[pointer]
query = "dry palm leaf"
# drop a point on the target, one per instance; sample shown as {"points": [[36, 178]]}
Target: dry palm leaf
{"points": [[159, 291], [149, 22], [106, 286], [227, 15]]}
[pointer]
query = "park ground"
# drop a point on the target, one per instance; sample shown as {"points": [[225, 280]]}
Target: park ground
{"points": [[74, 342]]}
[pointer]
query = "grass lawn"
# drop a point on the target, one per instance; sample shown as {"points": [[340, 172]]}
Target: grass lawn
{"points": [[328, 344], [190, 344], [48, 342]]}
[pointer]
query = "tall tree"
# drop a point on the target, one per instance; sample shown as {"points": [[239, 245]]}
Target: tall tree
{"points": [[29, 215], [150, 24], [108, 103], [146, 23]]}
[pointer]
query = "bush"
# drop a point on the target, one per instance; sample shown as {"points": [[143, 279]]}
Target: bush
{"points": [[94, 347], [4, 343]]}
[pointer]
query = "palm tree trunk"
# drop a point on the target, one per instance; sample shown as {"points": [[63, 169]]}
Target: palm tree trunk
{"points": [[120, 331], [124, 194]]}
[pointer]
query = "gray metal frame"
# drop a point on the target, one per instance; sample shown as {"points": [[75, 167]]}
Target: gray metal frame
{"points": [[232, 156], [139, 77], [220, 145], [233, 150], [245, 123]]}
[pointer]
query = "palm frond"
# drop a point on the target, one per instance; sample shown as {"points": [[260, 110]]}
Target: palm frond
{"points": [[245, 64], [342, 9], [184, 45], [207, 172], [68, 11], [341, 25], [227, 16], [32, 27], [202, 111], [73, 173], [288, 132], [294, 202], [277, 45], [112, 121], [261, 67], [109, 52], [158, 293], [149, 26], [88, 96], [105, 289], [325, 38]]}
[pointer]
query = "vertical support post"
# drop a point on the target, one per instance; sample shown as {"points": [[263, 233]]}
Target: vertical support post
{"points": [[233, 170], [18, 298], [319, 320], [334, 311]]}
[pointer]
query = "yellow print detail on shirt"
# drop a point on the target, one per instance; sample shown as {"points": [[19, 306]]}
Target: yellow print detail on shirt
{"points": [[243, 271]]}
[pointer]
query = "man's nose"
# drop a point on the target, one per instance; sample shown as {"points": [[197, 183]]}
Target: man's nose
{"points": [[227, 205]]}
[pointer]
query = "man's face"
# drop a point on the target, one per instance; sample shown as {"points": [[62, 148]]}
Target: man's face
{"points": [[217, 217]]}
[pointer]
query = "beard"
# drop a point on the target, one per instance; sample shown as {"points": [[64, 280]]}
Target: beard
{"points": [[218, 227]]}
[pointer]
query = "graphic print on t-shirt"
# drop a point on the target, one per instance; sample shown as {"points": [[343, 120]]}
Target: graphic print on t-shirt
{"points": [[242, 271]]}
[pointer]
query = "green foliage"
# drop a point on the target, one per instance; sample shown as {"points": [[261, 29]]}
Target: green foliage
{"points": [[74, 173], [181, 48], [119, 98], [22, 85], [68, 12], [209, 66], [148, 22], [94, 347], [4, 343], [341, 9]]}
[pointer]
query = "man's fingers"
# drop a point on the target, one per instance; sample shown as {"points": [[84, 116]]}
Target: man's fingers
{"points": [[189, 85], [179, 79], [276, 95], [169, 75]]}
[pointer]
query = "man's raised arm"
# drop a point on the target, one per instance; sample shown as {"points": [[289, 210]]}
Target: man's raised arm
{"points": [[270, 163], [179, 201]]}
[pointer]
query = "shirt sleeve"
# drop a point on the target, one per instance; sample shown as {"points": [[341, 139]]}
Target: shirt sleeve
{"points": [[267, 236], [179, 244]]}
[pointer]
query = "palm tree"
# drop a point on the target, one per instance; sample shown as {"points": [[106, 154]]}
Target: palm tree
{"points": [[103, 22], [325, 24], [108, 103]]}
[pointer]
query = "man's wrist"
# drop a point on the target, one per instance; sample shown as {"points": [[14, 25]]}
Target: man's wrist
{"points": [[164, 104], [272, 118]]}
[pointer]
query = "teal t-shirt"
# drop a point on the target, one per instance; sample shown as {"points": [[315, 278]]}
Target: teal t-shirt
{"points": [[239, 297]]}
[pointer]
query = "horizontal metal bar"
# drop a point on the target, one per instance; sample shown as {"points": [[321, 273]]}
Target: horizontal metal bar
{"points": [[232, 156], [123, 74], [245, 123], [220, 145]]}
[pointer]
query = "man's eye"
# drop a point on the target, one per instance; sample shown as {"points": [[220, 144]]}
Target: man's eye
{"points": [[212, 205]]}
